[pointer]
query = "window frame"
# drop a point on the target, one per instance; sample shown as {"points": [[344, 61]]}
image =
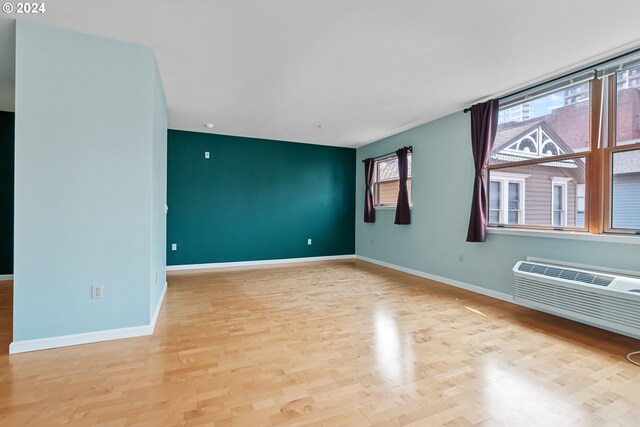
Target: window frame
{"points": [[594, 92], [598, 158], [607, 152], [376, 182], [500, 184], [562, 183], [584, 203], [506, 178]]}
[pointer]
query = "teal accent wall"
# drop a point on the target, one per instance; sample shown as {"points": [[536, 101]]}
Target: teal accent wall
{"points": [[257, 199], [6, 191], [89, 132], [441, 185]]}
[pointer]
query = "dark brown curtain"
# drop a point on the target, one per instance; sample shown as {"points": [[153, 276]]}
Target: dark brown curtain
{"points": [[484, 124], [403, 211], [369, 211]]}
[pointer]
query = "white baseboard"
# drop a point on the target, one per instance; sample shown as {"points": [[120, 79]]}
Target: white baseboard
{"points": [[253, 263], [88, 337], [473, 288], [6, 277], [76, 339], [154, 319]]}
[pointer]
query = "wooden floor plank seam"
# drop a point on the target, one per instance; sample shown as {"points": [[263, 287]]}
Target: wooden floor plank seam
{"points": [[330, 343]]}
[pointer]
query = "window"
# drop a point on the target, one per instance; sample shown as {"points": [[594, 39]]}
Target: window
{"points": [[575, 162], [495, 202], [540, 162], [559, 217], [559, 201], [506, 203], [580, 205], [622, 160], [386, 181], [625, 191]]}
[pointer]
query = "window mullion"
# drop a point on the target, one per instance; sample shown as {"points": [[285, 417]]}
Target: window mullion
{"points": [[607, 153], [505, 201], [596, 161]]}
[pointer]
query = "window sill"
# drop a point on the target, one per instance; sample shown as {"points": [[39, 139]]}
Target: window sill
{"points": [[571, 235], [387, 208]]}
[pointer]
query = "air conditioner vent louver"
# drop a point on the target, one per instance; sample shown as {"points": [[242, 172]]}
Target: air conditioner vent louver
{"points": [[539, 269], [525, 267], [609, 301], [584, 278], [566, 274], [602, 280], [553, 272]]}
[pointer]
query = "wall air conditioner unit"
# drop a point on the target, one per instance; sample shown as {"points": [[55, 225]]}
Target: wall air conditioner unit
{"points": [[606, 300]]}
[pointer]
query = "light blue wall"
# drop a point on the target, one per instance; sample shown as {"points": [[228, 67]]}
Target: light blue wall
{"points": [[83, 182], [159, 184], [442, 182]]}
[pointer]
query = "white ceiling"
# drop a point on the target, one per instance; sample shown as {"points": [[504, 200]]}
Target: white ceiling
{"points": [[362, 69]]}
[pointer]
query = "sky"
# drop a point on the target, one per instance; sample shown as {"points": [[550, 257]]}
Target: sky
{"points": [[543, 106]]}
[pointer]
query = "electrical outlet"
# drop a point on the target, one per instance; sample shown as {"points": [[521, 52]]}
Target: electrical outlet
{"points": [[174, 246], [206, 155], [309, 242], [461, 258], [97, 292], [371, 242]]}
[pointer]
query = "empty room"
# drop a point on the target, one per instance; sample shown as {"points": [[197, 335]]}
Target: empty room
{"points": [[319, 213]]}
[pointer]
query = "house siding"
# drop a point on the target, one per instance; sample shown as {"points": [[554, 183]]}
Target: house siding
{"points": [[537, 196], [388, 192], [626, 201]]}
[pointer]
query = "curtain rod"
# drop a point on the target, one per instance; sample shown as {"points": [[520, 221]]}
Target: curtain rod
{"points": [[389, 154], [564, 76]]}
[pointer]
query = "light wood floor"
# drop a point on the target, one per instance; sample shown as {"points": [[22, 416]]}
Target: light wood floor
{"points": [[336, 343]]}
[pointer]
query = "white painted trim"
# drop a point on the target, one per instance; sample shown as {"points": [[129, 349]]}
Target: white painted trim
{"points": [[508, 175], [76, 339], [154, 318], [571, 235], [562, 183], [504, 179], [473, 288], [561, 179], [88, 337], [259, 262], [6, 277]]}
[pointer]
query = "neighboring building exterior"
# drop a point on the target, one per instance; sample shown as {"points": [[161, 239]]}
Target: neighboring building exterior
{"points": [[629, 78], [517, 113], [626, 79], [543, 195], [553, 194], [576, 94], [626, 190]]}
